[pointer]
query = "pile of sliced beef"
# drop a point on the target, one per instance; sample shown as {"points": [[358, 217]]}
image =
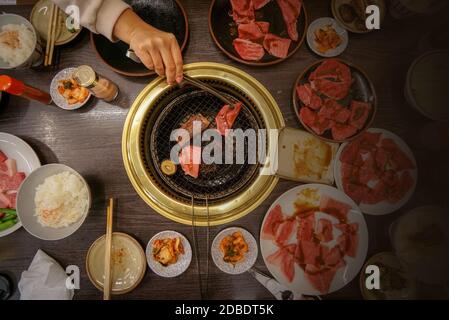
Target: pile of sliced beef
{"points": [[323, 108], [375, 169], [10, 181], [254, 37], [304, 239]]}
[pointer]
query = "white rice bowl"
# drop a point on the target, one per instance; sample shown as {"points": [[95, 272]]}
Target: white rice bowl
{"points": [[61, 200], [16, 56]]}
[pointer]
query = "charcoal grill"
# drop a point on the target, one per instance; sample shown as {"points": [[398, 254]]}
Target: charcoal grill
{"points": [[232, 190]]}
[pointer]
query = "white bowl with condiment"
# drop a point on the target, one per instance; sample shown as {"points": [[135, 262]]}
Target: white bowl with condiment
{"points": [[59, 99], [339, 30], [26, 207], [427, 87]]}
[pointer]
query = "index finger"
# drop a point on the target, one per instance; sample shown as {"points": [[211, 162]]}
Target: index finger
{"points": [[177, 58]]}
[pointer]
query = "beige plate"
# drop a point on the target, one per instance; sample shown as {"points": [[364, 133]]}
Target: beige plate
{"points": [[351, 26], [128, 261], [40, 17]]}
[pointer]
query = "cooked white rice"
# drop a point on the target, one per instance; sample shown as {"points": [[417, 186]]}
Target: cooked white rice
{"points": [[61, 200], [16, 56]]}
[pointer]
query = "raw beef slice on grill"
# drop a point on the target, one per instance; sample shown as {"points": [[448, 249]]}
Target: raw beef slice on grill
{"points": [[276, 46], [359, 113], [308, 97], [226, 117], [291, 9], [259, 4], [272, 223], [253, 30], [248, 50], [190, 160], [242, 11]]}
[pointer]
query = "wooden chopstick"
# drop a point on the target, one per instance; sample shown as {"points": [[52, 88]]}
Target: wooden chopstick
{"points": [[108, 249], [49, 32], [55, 27]]}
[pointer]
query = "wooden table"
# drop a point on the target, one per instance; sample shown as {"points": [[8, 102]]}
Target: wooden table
{"points": [[89, 140]]}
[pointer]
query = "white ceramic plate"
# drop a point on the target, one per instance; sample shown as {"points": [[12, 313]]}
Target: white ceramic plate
{"points": [[172, 270], [344, 275], [250, 256], [26, 207], [27, 161], [58, 99], [322, 23], [384, 207]]}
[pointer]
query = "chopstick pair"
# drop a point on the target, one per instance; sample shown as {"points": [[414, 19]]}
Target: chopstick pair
{"points": [[53, 24], [108, 249]]}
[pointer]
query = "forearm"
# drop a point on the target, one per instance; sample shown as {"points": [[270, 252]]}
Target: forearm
{"points": [[126, 24]]}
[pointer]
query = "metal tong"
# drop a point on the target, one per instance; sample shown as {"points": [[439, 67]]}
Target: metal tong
{"points": [[196, 250]]}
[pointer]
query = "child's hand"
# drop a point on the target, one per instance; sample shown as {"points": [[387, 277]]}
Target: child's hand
{"points": [[159, 51]]}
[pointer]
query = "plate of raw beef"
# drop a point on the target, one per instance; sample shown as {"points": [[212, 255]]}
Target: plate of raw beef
{"points": [[377, 170], [17, 160], [314, 239], [258, 32], [334, 100]]}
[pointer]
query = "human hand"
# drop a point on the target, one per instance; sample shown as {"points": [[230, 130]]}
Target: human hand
{"points": [[158, 51]]}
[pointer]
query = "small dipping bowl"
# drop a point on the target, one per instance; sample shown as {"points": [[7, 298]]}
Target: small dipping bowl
{"points": [[128, 263]]}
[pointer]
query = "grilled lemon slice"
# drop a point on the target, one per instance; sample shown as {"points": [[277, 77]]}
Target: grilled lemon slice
{"points": [[168, 167]]}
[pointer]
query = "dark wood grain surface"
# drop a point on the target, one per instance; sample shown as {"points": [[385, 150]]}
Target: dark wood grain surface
{"points": [[89, 140]]}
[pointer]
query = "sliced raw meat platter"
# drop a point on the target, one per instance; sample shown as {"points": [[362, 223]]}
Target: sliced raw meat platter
{"points": [[190, 160], [242, 11], [253, 30], [375, 170], [291, 9], [326, 91], [259, 4], [248, 50], [226, 117], [314, 242], [309, 97], [276, 46], [10, 181]]}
